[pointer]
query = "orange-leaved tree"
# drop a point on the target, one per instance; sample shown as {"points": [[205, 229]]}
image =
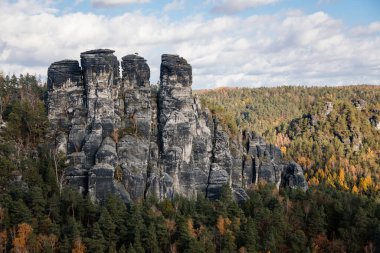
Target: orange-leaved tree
{"points": [[20, 241]]}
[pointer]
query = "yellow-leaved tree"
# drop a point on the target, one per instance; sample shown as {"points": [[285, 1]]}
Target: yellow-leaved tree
{"points": [[365, 183], [20, 241]]}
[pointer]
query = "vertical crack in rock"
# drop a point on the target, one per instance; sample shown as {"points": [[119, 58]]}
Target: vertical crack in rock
{"points": [[124, 136], [221, 166], [212, 156], [152, 186]]}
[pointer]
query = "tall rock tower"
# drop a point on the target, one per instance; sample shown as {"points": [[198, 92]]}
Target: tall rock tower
{"points": [[101, 77], [176, 126], [133, 147]]}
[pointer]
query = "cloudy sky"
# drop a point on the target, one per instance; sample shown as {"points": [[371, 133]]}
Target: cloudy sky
{"points": [[228, 42]]}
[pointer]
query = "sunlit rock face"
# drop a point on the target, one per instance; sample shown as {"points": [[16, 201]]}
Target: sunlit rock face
{"points": [[123, 136], [176, 126]]}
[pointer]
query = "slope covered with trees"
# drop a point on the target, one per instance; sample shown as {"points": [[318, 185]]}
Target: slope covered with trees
{"points": [[332, 132], [36, 215]]}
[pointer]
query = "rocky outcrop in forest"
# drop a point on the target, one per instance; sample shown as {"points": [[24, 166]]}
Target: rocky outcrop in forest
{"points": [[121, 135]]}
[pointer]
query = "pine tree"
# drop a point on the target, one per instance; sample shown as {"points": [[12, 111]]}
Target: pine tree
{"points": [[96, 243], [122, 249], [316, 222], [135, 226], [152, 239], [249, 236], [131, 249], [183, 235], [107, 226], [19, 212], [38, 201], [117, 211], [229, 242]]}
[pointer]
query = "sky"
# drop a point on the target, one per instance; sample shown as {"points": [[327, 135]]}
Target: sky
{"points": [[251, 43]]}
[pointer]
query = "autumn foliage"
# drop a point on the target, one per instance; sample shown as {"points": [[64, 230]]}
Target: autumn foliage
{"points": [[20, 241]]}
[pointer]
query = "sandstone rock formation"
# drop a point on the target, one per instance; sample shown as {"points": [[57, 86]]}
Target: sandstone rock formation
{"points": [[264, 162], [121, 135], [375, 122]]}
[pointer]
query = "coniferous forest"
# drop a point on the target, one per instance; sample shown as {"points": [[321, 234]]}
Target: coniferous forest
{"points": [[332, 132]]}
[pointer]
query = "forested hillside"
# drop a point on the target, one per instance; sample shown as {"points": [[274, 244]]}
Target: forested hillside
{"points": [[333, 132], [339, 213]]}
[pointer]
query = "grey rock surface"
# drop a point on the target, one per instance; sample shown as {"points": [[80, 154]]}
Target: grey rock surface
{"points": [[65, 94], [293, 176], [123, 136], [176, 126], [221, 161], [375, 121], [263, 163], [136, 114]]}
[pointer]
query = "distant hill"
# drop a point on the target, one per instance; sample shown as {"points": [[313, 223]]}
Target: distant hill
{"points": [[333, 132]]}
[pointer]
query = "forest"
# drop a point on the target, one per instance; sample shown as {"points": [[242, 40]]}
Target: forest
{"points": [[332, 132]]}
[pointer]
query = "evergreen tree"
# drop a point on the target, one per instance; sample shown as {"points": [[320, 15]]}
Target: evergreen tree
{"points": [[108, 227], [248, 235], [122, 249], [316, 222], [19, 212], [38, 201], [152, 240], [96, 242], [131, 249]]}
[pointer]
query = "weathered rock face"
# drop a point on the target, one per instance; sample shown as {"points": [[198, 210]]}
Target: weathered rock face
{"points": [[66, 99], [121, 135], [176, 126], [135, 110], [375, 122], [101, 79], [264, 163], [221, 161]]}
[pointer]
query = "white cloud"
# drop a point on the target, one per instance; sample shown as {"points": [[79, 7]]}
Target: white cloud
{"points": [[289, 48], [372, 28], [175, 5], [113, 3], [234, 6]]}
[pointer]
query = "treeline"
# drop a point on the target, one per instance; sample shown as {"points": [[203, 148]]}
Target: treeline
{"points": [[263, 108], [333, 132], [23, 128], [319, 220]]}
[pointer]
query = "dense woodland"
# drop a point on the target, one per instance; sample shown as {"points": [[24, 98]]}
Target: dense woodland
{"points": [[339, 152], [330, 131]]}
